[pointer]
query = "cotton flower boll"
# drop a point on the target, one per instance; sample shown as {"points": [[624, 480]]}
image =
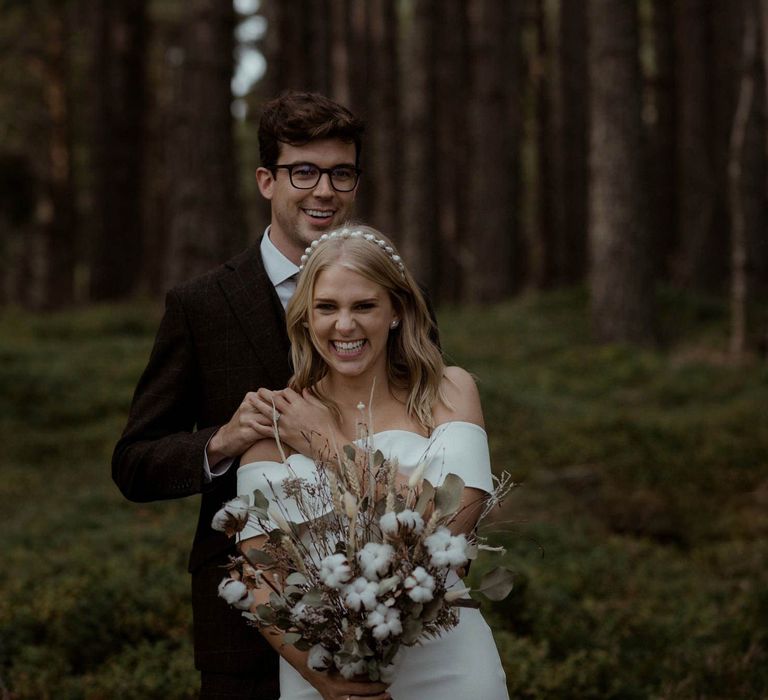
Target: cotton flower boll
{"points": [[361, 593], [410, 520], [335, 571], [388, 523], [351, 669], [319, 658], [420, 585], [375, 559], [384, 622], [234, 592], [446, 549], [232, 517]]}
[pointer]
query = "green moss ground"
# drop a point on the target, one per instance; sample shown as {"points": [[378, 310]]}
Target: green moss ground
{"points": [[639, 534]]}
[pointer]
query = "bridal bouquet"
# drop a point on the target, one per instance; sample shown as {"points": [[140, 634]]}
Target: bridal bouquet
{"points": [[368, 568]]}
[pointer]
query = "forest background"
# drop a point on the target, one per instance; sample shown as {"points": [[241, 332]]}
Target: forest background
{"points": [[581, 185]]}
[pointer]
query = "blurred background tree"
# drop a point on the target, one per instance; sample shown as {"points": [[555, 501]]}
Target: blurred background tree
{"points": [[524, 144]]}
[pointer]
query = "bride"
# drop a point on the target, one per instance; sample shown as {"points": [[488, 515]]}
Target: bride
{"points": [[360, 332]]}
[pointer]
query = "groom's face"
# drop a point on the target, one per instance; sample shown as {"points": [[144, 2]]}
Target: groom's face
{"points": [[299, 216]]}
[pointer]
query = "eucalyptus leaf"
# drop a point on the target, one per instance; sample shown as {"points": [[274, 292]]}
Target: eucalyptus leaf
{"points": [[313, 598], [431, 609], [291, 638], [351, 452], [265, 614], [472, 551], [303, 644], [378, 458], [412, 629], [296, 579], [258, 557], [497, 583], [291, 591], [425, 497], [260, 500], [387, 585], [276, 601], [448, 495], [260, 513]]}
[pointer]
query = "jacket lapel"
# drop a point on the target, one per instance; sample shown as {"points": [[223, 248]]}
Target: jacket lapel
{"points": [[255, 304]]}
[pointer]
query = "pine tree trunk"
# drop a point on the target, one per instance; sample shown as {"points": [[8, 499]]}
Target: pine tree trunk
{"points": [[60, 228], [549, 218], [418, 228], [119, 66], [206, 222], [662, 140], [739, 170], [382, 154], [488, 246], [620, 279], [574, 87], [697, 151], [452, 77]]}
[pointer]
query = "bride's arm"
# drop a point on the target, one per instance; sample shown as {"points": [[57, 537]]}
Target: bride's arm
{"points": [[330, 685], [462, 403]]}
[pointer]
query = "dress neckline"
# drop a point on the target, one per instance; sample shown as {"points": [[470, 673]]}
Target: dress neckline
{"points": [[427, 437]]}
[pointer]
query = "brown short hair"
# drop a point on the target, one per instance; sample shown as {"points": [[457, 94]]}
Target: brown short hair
{"points": [[297, 118]]}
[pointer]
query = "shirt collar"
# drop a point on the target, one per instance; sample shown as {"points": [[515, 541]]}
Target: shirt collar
{"points": [[278, 267]]}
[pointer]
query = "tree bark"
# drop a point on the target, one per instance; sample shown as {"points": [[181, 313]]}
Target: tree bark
{"points": [[119, 63], [206, 222], [488, 246], [697, 152], [452, 76], [418, 229], [662, 139], [382, 154], [739, 167], [574, 100], [620, 280], [60, 218]]}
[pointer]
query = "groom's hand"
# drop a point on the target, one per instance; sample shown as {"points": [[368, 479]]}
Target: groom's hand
{"points": [[304, 420], [247, 425]]}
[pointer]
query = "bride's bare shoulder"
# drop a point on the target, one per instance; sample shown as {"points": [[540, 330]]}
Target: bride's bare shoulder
{"points": [[461, 398]]}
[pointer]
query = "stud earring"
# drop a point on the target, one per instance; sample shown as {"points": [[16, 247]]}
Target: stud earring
{"points": [[305, 324], [394, 324]]}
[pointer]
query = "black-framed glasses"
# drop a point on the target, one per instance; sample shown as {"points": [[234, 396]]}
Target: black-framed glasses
{"points": [[305, 176]]}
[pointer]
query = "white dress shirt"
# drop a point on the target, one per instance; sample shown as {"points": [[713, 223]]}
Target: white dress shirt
{"points": [[282, 273]]}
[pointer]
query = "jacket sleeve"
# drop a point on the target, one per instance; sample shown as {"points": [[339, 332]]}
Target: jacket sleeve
{"points": [[160, 454]]}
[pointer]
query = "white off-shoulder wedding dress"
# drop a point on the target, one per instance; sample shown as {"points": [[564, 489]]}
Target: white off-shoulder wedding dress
{"points": [[459, 664]]}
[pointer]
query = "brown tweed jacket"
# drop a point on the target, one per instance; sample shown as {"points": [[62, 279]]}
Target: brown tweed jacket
{"points": [[222, 335]]}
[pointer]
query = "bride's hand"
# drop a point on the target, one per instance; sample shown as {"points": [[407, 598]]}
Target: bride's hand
{"points": [[333, 686], [302, 419]]}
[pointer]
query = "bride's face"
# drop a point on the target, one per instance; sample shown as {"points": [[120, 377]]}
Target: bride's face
{"points": [[351, 318]]}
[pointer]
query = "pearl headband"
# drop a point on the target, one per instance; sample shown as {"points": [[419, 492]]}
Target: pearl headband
{"points": [[345, 234]]}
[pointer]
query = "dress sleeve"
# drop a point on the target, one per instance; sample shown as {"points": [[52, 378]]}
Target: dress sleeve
{"points": [[459, 448], [275, 481]]}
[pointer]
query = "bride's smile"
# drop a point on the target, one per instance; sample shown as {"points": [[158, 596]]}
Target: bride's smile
{"points": [[351, 320]]}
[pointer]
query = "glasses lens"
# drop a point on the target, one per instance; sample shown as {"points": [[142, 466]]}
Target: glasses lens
{"points": [[304, 175], [344, 179]]}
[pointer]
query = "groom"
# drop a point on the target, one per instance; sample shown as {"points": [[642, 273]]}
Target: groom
{"points": [[223, 336]]}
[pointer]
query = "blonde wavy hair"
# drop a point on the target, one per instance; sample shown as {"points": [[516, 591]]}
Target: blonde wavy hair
{"points": [[414, 362]]}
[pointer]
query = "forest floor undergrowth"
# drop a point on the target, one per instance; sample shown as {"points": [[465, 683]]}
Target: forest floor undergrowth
{"points": [[639, 533]]}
